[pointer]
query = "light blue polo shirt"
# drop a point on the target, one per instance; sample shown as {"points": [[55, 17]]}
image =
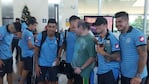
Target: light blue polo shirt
{"points": [[27, 36], [48, 51], [70, 40], [129, 54], [5, 43], [111, 44]]}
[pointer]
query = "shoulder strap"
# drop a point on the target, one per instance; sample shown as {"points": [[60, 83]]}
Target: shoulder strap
{"points": [[57, 35], [65, 35], [65, 38], [44, 35]]}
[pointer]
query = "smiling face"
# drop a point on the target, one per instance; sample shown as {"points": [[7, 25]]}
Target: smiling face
{"points": [[121, 23], [33, 26], [51, 28]]}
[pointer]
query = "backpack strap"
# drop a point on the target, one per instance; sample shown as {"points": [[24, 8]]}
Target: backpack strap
{"points": [[65, 35], [57, 35], [44, 35], [65, 40]]}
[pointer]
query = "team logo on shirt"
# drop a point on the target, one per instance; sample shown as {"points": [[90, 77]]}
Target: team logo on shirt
{"points": [[116, 45], [36, 41], [141, 39], [128, 40], [29, 38]]}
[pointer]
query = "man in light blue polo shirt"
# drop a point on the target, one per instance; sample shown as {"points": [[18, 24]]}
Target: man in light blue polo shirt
{"points": [[27, 48], [47, 54], [6, 60], [108, 53], [69, 42], [133, 51]]}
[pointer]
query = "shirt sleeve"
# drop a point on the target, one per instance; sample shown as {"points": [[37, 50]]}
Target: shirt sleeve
{"points": [[140, 39], [114, 44], [29, 36], [2, 33], [38, 40]]}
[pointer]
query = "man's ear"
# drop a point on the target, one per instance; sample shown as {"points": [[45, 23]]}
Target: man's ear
{"points": [[46, 27]]}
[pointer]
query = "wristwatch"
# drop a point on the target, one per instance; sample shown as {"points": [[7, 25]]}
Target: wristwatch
{"points": [[138, 75]]}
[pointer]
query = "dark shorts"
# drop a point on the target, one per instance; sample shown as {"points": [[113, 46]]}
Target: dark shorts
{"points": [[7, 68], [69, 71], [126, 80], [107, 78], [80, 80], [48, 73], [28, 63]]}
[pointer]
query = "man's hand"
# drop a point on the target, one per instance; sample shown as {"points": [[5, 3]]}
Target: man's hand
{"points": [[100, 50], [77, 70], [135, 80], [57, 61], [1, 63], [37, 70]]}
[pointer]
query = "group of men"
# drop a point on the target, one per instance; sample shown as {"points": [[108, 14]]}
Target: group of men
{"points": [[41, 53]]}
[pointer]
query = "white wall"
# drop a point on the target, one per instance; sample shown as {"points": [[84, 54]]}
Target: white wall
{"points": [[67, 9], [37, 8]]}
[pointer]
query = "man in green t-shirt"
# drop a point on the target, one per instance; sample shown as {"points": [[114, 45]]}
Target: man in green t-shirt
{"points": [[84, 54]]}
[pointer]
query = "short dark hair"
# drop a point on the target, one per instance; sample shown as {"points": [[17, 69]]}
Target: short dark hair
{"points": [[52, 21], [122, 14], [73, 17], [17, 26], [100, 21], [84, 24], [31, 20], [18, 19]]}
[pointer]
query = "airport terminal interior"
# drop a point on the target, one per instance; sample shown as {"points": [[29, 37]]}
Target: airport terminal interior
{"points": [[61, 10]]}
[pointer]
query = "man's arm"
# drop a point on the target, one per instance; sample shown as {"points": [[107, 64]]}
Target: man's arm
{"points": [[142, 51], [88, 62], [36, 55], [30, 45], [148, 44], [115, 56]]}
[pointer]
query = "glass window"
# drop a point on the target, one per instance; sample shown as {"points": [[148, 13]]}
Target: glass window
{"points": [[130, 6]]}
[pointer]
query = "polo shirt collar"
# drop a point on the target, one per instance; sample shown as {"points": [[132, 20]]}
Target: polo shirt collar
{"points": [[130, 29]]}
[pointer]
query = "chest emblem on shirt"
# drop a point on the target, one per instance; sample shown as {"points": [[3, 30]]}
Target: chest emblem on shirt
{"points": [[128, 40], [116, 46], [141, 39], [36, 41]]}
